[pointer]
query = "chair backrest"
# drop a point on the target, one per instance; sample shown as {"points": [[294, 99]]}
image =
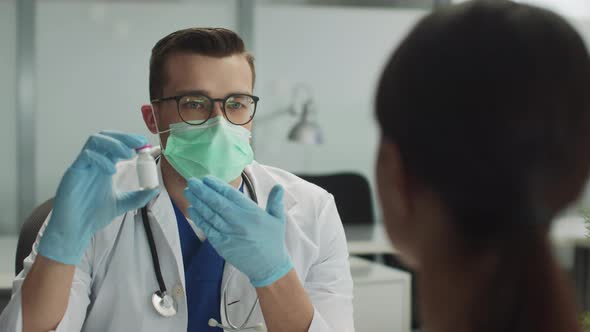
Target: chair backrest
{"points": [[29, 231], [352, 193]]}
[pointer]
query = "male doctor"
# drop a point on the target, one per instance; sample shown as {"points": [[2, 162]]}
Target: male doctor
{"points": [[224, 260]]}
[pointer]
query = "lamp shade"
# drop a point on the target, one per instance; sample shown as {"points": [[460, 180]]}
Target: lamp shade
{"points": [[305, 130]]}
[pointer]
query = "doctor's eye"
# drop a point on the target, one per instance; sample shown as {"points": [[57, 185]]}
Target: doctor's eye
{"points": [[194, 103], [239, 103], [235, 106]]}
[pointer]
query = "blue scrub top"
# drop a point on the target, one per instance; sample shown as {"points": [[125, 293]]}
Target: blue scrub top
{"points": [[203, 271]]}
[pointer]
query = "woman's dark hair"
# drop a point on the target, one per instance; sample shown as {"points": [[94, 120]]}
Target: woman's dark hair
{"points": [[488, 103]]}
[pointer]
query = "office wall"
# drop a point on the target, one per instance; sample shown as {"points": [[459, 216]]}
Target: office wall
{"points": [[339, 53], [92, 70], [569, 8], [583, 202], [577, 9], [8, 174], [583, 27]]}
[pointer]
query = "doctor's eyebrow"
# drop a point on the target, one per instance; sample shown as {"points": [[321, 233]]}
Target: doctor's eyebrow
{"points": [[191, 92], [206, 93]]}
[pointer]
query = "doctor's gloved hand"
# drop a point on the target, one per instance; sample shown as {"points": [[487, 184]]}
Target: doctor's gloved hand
{"points": [[86, 201], [246, 236]]}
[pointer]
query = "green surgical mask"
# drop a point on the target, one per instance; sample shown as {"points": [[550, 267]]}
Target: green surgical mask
{"points": [[216, 147]]}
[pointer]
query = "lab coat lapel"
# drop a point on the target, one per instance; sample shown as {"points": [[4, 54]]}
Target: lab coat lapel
{"points": [[263, 182]]}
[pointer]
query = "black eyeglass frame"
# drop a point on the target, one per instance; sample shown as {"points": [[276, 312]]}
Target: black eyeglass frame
{"points": [[177, 98]]}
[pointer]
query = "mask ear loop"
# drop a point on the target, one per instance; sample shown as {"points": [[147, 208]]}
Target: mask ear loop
{"points": [[158, 129]]}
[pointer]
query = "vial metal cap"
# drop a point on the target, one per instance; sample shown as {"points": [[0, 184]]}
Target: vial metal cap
{"points": [[147, 146]]}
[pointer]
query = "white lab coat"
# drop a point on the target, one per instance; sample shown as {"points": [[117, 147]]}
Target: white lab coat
{"points": [[115, 280]]}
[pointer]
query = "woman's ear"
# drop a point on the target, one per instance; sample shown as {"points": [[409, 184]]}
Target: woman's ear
{"points": [[148, 117], [393, 182], [398, 202]]}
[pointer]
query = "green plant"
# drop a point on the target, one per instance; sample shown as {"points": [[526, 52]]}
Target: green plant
{"points": [[586, 322]]}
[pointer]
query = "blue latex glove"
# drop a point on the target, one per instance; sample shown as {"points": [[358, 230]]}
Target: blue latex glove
{"points": [[86, 201], [246, 236]]}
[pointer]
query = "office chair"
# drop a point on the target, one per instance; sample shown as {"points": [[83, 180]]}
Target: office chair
{"points": [[352, 193], [28, 233]]}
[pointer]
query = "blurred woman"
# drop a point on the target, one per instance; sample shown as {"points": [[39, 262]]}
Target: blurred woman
{"points": [[484, 112]]}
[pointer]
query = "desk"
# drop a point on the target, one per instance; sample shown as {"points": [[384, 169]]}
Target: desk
{"points": [[382, 297], [8, 252], [381, 294], [368, 240], [568, 236], [570, 231], [566, 232]]}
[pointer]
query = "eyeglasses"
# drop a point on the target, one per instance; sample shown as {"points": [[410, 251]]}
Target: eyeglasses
{"points": [[196, 109]]}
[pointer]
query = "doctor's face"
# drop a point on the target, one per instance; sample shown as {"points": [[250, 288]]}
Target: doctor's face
{"points": [[209, 76]]}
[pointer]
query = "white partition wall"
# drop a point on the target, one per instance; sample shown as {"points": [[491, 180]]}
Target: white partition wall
{"points": [[8, 170], [339, 53], [576, 9], [92, 70], [92, 74], [583, 27]]}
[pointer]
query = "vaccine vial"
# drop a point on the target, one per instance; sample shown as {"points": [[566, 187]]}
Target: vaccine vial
{"points": [[147, 171]]}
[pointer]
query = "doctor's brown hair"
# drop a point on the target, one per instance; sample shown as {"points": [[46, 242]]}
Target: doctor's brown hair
{"points": [[214, 42], [488, 104]]}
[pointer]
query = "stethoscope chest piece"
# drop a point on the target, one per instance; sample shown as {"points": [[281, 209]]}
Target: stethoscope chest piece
{"points": [[164, 304]]}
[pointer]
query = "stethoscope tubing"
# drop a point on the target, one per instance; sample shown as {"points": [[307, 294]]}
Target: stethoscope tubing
{"points": [[162, 292]]}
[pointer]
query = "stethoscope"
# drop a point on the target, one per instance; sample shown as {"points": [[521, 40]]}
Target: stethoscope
{"points": [[165, 304]]}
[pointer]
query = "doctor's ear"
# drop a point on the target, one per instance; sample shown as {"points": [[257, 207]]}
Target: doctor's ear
{"points": [[148, 118]]}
